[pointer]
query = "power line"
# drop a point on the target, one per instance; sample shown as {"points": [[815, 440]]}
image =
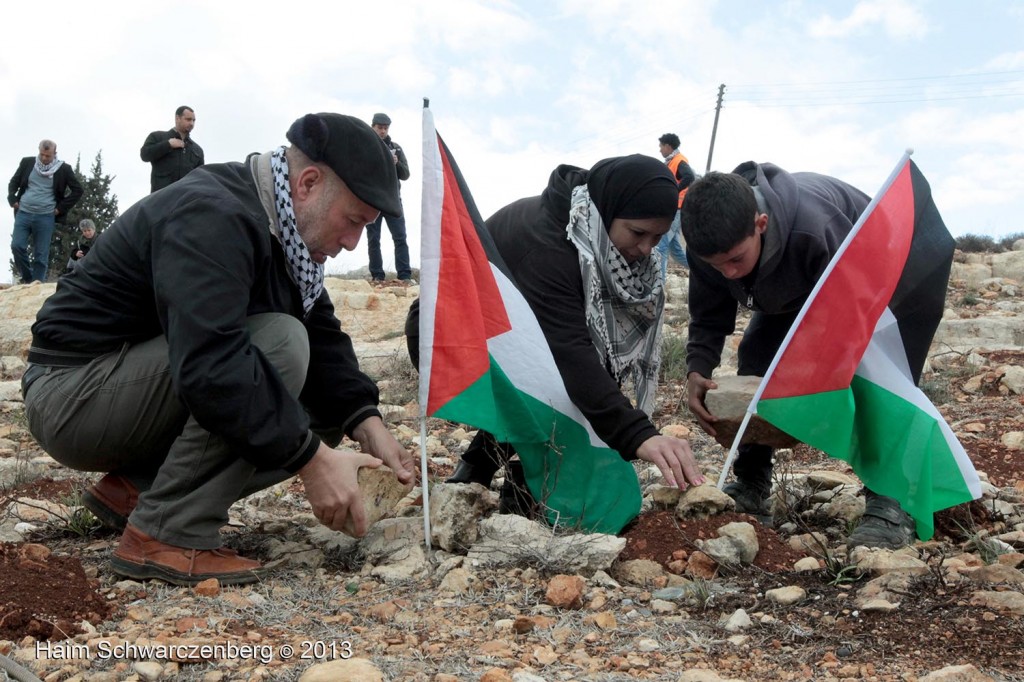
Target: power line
{"points": [[878, 80]]}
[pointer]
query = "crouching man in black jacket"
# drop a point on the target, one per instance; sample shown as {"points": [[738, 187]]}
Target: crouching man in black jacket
{"points": [[196, 357]]}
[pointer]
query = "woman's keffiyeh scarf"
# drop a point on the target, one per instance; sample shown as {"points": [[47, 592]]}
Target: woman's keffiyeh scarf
{"points": [[48, 169], [624, 302], [305, 272]]}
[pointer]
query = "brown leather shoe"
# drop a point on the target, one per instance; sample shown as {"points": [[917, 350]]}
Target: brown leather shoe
{"points": [[140, 556], [111, 500]]}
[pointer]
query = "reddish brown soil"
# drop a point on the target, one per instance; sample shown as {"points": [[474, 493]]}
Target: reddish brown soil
{"points": [[657, 535], [45, 596]]}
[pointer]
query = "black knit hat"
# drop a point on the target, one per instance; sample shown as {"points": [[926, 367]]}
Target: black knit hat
{"points": [[355, 153]]}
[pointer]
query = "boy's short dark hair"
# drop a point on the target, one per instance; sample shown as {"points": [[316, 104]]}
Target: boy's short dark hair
{"points": [[718, 213], [671, 139]]}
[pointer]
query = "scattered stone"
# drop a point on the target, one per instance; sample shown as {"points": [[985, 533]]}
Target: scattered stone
{"points": [[664, 496], [491, 675], [605, 620], [455, 513], [639, 572], [676, 431], [956, 673], [791, 594], [705, 676], [1011, 602], [725, 551], [662, 606], [996, 574], [1011, 559], [343, 670], [806, 565], [207, 588], [846, 507], [34, 552], [879, 606], [565, 591], [1013, 440], [647, 644], [743, 535], [458, 581], [523, 676], [878, 561], [1013, 379], [813, 543], [510, 540], [739, 620], [700, 565], [674, 593], [829, 480], [702, 501], [149, 670]]}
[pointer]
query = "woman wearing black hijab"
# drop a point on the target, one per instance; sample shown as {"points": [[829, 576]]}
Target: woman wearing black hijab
{"points": [[580, 253]]}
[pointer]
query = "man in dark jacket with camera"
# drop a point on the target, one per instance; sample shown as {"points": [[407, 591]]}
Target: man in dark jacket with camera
{"points": [[381, 124], [173, 152]]}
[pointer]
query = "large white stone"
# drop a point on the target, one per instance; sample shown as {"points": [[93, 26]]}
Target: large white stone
{"points": [[507, 539]]}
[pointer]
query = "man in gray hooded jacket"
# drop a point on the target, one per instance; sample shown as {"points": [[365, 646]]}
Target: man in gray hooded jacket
{"points": [[763, 238]]}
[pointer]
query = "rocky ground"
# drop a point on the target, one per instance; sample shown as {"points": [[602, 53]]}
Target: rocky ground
{"points": [[690, 591]]}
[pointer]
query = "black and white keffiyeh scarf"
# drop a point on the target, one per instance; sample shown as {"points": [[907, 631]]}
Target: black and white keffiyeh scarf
{"points": [[305, 272], [624, 302], [48, 169]]}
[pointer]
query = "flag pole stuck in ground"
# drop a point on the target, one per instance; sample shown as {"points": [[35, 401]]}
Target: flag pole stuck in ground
{"points": [[485, 362], [845, 378]]}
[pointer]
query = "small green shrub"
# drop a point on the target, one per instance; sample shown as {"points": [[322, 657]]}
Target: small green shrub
{"points": [[983, 243], [673, 359], [970, 298]]}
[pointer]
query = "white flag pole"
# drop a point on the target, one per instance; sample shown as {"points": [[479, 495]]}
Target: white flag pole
{"points": [[430, 221], [752, 407]]}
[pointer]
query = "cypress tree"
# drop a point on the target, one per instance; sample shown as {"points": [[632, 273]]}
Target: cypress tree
{"points": [[96, 203]]}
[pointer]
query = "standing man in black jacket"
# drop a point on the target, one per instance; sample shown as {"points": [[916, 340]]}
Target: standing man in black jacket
{"points": [[196, 357], [173, 152], [396, 223], [41, 192]]}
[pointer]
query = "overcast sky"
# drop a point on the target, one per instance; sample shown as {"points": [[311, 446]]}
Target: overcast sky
{"points": [[518, 87]]}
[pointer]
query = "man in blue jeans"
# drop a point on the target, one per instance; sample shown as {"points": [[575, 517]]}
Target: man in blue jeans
{"points": [[381, 124], [41, 192], [671, 243]]}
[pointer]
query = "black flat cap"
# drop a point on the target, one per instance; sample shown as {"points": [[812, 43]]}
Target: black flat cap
{"points": [[355, 153]]}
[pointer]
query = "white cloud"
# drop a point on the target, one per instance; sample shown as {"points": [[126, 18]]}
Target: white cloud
{"points": [[898, 18], [519, 87]]}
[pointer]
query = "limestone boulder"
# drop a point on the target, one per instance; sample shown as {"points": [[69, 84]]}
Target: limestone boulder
{"points": [[729, 404]]}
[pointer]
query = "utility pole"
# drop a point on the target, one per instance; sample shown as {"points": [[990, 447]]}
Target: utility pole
{"points": [[714, 129]]}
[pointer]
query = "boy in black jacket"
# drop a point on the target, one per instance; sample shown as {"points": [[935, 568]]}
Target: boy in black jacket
{"points": [[763, 237]]}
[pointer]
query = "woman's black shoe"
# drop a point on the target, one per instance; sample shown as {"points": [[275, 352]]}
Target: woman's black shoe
{"points": [[515, 496], [471, 473]]}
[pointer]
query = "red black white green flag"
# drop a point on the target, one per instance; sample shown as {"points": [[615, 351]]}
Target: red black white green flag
{"points": [[484, 361], [845, 380]]}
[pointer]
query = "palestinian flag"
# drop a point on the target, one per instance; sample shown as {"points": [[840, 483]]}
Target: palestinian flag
{"points": [[484, 361], [845, 379]]}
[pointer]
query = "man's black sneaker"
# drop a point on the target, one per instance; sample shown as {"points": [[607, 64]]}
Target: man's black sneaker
{"points": [[751, 499], [884, 524]]}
